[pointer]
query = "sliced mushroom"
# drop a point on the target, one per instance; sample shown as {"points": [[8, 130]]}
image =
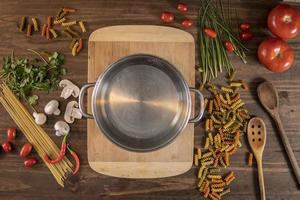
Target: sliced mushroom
{"points": [[61, 128], [69, 89], [40, 118], [72, 112], [52, 108]]}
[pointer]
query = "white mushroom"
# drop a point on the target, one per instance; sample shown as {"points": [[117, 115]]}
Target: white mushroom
{"points": [[40, 118], [69, 89], [72, 112], [52, 108], [61, 128]]}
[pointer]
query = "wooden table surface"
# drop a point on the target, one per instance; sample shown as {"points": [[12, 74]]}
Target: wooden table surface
{"points": [[17, 182]]}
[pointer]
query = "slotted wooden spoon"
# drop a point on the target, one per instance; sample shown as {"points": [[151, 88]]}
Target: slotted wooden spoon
{"points": [[257, 136]]}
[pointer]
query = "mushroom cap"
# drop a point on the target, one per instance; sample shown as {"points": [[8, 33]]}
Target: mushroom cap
{"points": [[39, 118], [52, 107], [65, 82], [69, 111], [62, 127], [68, 85]]}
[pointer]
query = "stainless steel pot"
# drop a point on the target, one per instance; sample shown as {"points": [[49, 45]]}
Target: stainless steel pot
{"points": [[141, 102]]}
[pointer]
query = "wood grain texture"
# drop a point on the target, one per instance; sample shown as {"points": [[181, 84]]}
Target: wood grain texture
{"points": [[107, 45], [16, 182]]}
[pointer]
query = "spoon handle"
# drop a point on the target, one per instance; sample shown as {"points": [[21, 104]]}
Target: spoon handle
{"points": [[288, 148], [261, 179]]}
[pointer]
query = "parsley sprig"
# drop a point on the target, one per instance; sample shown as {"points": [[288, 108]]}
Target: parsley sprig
{"points": [[24, 75]]}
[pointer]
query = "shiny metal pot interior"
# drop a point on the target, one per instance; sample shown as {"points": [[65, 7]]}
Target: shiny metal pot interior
{"points": [[141, 102]]}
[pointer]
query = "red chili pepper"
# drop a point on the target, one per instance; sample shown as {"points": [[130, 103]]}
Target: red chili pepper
{"points": [[182, 7], [61, 155], [30, 162], [245, 26], [210, 32], [76, 158], [11, 133], [167, 17], [187, 23], [246, 35], [229, 46], [6, 146]]}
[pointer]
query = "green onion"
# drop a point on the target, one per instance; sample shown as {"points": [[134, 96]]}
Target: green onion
{"points": [[212, 53]]}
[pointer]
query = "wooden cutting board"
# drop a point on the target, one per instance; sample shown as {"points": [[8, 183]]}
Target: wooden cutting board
{"points": [[109, 44]]}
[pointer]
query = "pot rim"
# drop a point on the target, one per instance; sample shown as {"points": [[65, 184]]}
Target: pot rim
{"points": [[187, 96]]}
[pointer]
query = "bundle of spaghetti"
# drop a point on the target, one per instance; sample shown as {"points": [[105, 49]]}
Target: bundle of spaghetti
{"points": [[40, 140]]}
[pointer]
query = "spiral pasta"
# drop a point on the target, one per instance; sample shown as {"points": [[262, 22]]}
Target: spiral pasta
{"points": [[226, 122]]}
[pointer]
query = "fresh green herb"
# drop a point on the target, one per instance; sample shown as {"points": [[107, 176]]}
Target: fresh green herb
{"points": [[23, 75], [212, 52], [32, 100]]}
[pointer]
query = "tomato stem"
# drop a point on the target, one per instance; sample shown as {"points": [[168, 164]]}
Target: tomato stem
{"points": [[287, 19]]}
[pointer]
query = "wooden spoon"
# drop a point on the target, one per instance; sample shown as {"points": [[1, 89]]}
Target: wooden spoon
{"points": [[257, 136], [268, 97]]}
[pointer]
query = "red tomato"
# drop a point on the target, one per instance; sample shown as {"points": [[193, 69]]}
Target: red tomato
{"points": [[30, 162], [246, 35], [275, 54], [229, 46], [210, 32], [6, 146], [11, 133], [245, 26], [284, 21], [182, 7], [26, 149], [187, 23], [167, 17]]}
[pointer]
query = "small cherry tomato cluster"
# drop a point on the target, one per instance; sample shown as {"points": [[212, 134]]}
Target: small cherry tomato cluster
{"points": [[209, 32], [11, 134], [245, 34], [168, 17]]}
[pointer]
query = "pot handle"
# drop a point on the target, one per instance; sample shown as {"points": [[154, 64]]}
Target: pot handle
{"points": [[81, 104], [202, 108]]}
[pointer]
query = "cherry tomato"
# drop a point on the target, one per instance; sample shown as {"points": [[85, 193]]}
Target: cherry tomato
{"points": [[26, 149], [6, 146], [229, 46], [210, 32], [246, 35], [187, 23], [30, 162], [182, 7], [167, 17], [11, 133], [245, 26], [284, 21], [275, 54]]}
